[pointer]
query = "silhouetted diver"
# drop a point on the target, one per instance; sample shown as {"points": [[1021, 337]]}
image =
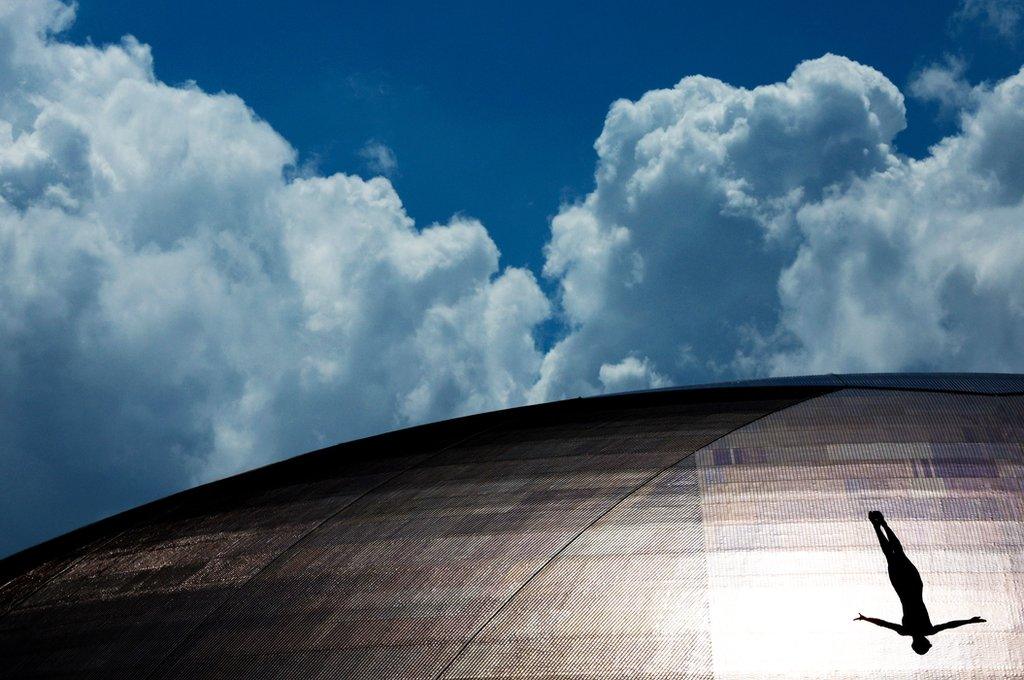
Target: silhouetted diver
{"points": [[907, 582]]}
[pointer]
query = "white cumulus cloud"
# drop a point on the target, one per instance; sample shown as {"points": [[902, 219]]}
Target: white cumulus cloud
{"points": [[777, 230], [675, 256], [173, 308], [918, 266]]}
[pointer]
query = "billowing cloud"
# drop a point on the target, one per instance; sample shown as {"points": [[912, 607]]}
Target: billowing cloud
{"points": [[777, 230], [674, 258], [918, 266], [173, 307]]}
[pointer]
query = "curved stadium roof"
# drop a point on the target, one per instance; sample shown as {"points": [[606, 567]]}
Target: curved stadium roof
{"points": [[717, 531]]}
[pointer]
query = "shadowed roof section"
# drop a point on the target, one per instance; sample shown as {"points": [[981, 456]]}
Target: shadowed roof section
{"points": [[432, 551]]}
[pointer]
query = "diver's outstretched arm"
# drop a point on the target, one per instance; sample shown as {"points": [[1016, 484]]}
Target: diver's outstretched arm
{"points": [[961, 622], [880, 622]]}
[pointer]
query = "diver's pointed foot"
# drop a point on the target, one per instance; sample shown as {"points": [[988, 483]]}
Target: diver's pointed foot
{"points": [[876, 517]]}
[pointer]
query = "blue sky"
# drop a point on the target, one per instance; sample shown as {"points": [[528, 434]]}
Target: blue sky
{"points": [[230, 233], [493, 110]]}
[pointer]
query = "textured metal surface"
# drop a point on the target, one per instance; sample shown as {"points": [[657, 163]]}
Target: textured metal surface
{"points": [[381, 559], [751, 558], [787, 536], [626, 599], [122, 606], [968, 383]]}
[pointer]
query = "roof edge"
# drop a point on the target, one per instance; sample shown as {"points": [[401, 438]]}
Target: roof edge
{"points": [[450, 431], [444, 433]]}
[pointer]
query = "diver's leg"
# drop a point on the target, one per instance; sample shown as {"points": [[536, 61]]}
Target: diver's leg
{"points": [[882, 539], [903, 573], [893, 539]]}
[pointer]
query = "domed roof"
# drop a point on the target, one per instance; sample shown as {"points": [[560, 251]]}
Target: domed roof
{"points": [[720, 531]]}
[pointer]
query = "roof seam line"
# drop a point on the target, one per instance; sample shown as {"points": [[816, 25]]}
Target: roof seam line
{"points": [[465, 645]]}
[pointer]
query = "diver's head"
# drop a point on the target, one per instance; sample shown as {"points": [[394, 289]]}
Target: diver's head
{"points": [[920, 644]]}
